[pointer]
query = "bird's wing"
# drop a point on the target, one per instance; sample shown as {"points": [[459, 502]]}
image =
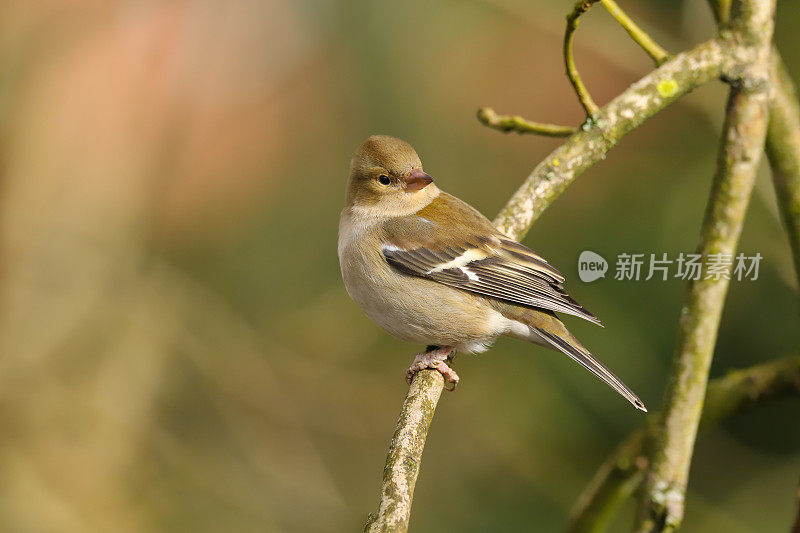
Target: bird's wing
{"points": [[452, 243]]}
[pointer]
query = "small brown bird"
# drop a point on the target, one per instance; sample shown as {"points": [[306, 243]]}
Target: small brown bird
{"points": [[431, 269]]}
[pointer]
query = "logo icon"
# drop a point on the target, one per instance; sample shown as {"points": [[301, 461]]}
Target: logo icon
{"points": [[591, 266]]}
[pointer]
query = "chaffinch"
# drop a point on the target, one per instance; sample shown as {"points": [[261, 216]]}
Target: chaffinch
{"points": [[431, 269]]}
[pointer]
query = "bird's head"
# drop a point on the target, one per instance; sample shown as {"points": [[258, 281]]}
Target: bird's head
{"points": [[386, 179]]}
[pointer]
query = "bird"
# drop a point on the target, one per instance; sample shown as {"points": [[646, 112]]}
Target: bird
{"points": [[431, 269]]}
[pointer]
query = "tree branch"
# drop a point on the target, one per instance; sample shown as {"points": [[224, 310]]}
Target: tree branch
{"points": [[613, 483], [783, 151], [506, 123], [621, 474], [652, 48], [617, 478], [549, 179], [783, 140], [721, 9], [639, 36], [743, 141], [581, 7], [405, 454], [646, 97]]}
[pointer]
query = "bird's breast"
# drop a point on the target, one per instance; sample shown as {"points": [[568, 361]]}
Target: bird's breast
{"points": [[411, 308]]}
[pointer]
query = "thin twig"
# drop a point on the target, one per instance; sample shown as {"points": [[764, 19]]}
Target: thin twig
{"points": [[640, 37], [721, 9], [569, 57], [740, 151], [620, 475], [506, 123], [652, 48]]}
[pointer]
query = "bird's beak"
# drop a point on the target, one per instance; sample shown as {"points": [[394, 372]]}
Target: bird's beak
{"points": [[417, 180]]}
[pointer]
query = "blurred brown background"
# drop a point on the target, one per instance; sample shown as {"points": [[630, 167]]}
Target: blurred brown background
{"points": [[178, 351]]}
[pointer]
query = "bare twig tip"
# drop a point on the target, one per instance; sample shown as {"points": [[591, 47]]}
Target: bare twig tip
{"points": [[507, 123]]}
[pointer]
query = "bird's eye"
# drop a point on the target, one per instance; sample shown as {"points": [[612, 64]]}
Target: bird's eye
{"points": [[383, 179]]}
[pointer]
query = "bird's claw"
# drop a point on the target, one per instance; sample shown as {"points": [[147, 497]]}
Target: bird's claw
{"points": [[449, 375], [434, 360]]}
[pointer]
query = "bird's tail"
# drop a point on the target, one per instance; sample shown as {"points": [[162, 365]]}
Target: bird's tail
{"points": [[545, 329], [576, 351]]}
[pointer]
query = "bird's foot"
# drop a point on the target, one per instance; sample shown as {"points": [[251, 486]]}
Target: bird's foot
{"points": [[436, 359]]}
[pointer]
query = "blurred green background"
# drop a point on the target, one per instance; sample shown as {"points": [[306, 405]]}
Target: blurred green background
{"points": [[178, 351]]}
